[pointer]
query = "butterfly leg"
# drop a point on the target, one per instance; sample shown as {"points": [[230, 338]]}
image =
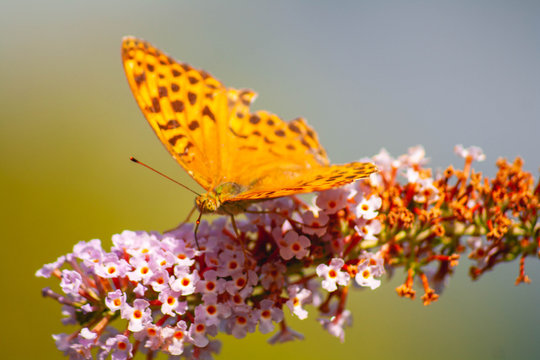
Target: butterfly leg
{"points": [[236, 231], [197, 223]]}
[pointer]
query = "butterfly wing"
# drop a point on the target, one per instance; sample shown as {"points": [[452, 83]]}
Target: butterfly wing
{"points": [[211, 132], [304, 181], [181, 104]]}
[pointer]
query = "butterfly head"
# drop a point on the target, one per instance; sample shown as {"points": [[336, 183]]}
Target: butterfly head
{"points": [[208, 203]]}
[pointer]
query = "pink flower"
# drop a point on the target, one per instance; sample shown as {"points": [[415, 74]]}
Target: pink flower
{"points": [[368, 208], [71, 282], [241, 323], [386, 163], [118, 347], [314, 224], [170, 303], [141, 269], [211, 284], [333, 275], [111, 267], [371, 265], [175, 337], [115, 300], [272, 275], [298, 297], [159, 280], [333, 200], [416, 156], [47, 269], [139, 315], [368, 229], [185, 281], [335, 325], [292, 245], [211, 312], [268, 314], [474, 152]]}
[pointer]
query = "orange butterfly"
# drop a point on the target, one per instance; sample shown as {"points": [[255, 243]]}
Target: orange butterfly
{"points": [[237, 156]]}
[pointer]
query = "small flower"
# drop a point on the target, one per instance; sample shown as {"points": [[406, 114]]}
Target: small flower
{"points": [[333, 275], [170, 304], [111, 267], [475, 153], [211, 312], [141, 269], [368, 208], [336, 324], [298, 297], [370, 266], [268, 314], [115, 300], [230, 262], [272, 275], [416, 156], [88, 251], [427, 192], [175, 337], [333, 200], [71, 282], [211, 284], [314, 223], [47, 269], [139, 314], [368, 229], [386, 163], [198, 333], [241, 323], [292, 245], [185, 281], [118, 347]]}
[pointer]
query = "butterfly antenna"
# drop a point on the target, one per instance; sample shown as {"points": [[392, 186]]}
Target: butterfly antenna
{"points": [[162, 174]]}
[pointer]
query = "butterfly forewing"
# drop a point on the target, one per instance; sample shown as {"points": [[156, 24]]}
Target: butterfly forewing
{"points": [[180, 103]]}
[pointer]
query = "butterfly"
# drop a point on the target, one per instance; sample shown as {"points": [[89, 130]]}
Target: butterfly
{"points": [[237, 156]]}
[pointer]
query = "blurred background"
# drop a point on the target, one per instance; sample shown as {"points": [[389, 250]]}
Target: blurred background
{"points": [[366, 75]]}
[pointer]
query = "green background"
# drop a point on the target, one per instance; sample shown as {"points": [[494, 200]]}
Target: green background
{"points": [[366, 74]]}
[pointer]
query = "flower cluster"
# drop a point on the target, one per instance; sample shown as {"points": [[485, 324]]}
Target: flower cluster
{"points": [[173, 295]]}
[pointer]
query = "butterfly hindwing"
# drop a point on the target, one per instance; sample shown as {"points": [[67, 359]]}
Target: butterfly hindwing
{"points": [[305, 181]]}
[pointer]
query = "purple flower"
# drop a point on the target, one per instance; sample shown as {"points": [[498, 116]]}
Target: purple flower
{"points": [[335, 325], [184, 281], [268, 314], [118, 347], [298, 297], [139, 315], [333, 275], [292, 245], [115, 300], [71, 282], [333, 200], [47, 269], [171, 305]]}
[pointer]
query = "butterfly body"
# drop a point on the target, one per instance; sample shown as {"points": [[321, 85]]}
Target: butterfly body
{"points": [[237, 156], [212, 202]]}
